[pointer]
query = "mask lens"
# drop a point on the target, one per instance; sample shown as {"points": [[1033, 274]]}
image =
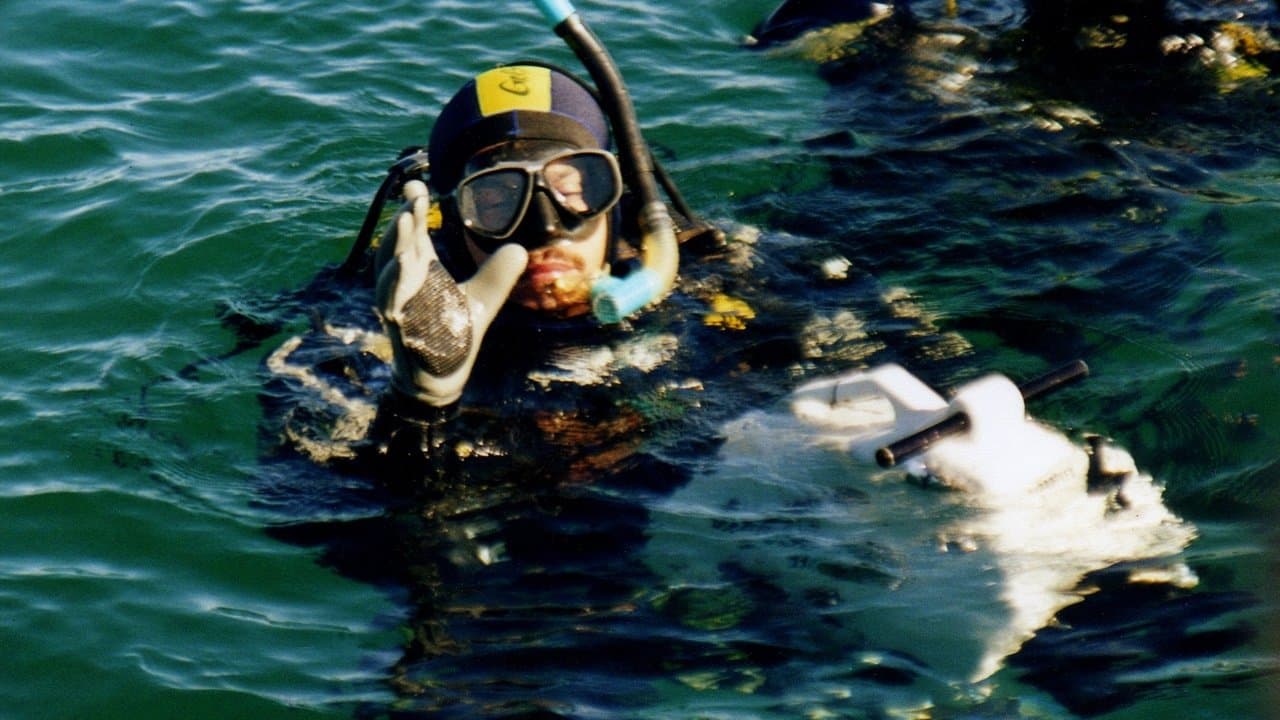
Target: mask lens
{"points": [[492, 203], [585, 184], [574, 187]]}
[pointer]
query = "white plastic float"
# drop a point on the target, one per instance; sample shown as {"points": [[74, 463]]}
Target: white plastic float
{"points": [[948, 559], [981, 441]]}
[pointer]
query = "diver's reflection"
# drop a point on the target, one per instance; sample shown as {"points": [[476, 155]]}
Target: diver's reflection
{"points": [[518, 567]]}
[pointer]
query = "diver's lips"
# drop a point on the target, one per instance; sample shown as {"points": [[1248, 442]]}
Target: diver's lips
{"points": [[548, 270]]}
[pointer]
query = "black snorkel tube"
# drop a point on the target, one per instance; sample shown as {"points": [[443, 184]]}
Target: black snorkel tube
{"points": [[615, 298]]}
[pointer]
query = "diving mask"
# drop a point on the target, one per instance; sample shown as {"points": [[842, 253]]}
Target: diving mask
{"points": [[568, 189]]}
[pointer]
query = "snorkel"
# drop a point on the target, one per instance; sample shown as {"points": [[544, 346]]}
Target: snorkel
{"points": [[614, 298]]}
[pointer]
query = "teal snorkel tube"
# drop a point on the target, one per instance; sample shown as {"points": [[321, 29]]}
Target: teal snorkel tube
{"points": [[615, 298]]}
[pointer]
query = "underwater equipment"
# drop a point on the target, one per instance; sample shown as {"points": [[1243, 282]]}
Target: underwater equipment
{"points": [[527, 103], [567, 190], [919, 441], [981, 438], [614, 298], [943, 566]]}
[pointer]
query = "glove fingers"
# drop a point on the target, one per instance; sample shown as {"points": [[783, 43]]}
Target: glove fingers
{"points": [[403, 276], [414, 189], [405, 244], [407, 234], [491, 285], [422, 240]]}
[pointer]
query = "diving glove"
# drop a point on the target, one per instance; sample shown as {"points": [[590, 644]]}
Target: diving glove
{"points": [[435, 324]]}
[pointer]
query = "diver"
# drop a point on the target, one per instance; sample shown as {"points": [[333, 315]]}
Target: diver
{"points": [[522, 237], [517, 214], [520, 160]]}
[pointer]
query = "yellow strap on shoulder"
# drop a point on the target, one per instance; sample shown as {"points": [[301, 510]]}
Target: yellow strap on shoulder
{"points": [[514, 87]]}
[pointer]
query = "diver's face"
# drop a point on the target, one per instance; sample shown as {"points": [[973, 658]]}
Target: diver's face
{"points": [[563, 197], [560, 273]]}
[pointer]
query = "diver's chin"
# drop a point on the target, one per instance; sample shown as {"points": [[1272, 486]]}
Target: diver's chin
{"points": [[554, 284], [563, 298]]}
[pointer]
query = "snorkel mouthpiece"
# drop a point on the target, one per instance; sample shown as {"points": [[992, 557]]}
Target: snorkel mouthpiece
{"points": [[613, 298]]}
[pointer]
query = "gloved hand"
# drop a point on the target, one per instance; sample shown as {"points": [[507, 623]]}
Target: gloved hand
{"points": [[434, 323]]}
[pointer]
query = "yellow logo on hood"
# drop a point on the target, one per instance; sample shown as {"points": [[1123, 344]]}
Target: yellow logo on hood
{"points": [[514, 87]]}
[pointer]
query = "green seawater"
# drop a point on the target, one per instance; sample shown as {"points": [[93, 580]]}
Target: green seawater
{"points": [[160, 161]]}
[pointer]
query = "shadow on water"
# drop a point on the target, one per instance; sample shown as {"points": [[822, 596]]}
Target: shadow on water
{"points": [[523, 597], [1132, 641]]}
